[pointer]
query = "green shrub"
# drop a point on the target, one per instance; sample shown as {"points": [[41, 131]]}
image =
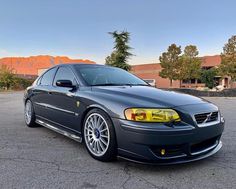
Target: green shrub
{"points": [[22, 83], [8, 80], [207, 77]]}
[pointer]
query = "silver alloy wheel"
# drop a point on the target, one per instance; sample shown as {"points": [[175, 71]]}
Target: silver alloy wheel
{"points": [[96, 134], [28, 112]]}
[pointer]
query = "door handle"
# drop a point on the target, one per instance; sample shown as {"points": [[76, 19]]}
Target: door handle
{"points": [[70, 94]]}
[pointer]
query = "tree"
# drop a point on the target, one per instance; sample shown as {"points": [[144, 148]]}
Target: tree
{"points": [[121, 53], [191, 64], [207, 77], [111, 59], [228, 59], [7, 78], [170, 62]]}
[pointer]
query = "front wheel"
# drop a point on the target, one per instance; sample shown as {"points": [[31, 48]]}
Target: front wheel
{"points": [[99, 135]]}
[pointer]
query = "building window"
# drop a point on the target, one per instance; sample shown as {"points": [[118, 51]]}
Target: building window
{"points": [[199, 81], [189, 81], [186, 81]]}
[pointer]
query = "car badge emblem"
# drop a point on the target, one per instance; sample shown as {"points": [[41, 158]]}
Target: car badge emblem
{"points": [[208, 117], [77, 103]]}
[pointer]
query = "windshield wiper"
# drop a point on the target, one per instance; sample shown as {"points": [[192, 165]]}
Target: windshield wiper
{"points": [[108, 84], [119, 84], [140, 84]]}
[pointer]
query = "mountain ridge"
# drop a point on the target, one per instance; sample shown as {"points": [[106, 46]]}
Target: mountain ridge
{"points": [[32, 64]]}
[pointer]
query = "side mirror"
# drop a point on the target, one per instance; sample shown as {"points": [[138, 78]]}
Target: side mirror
{"points": [[65, 83]]}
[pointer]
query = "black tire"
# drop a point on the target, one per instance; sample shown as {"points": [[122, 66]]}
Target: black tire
{"points": [[31, 121], [111, 150]]}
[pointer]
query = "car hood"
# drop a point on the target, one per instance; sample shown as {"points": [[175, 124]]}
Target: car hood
{"points": [[145, 96]]}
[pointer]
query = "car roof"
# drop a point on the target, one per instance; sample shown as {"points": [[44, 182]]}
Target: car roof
{"points": [[80, 65]]}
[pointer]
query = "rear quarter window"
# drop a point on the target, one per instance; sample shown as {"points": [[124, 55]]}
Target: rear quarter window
{"points": [[47, 77]]}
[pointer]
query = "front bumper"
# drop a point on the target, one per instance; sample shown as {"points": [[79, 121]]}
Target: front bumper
{"points": [[143, 142]]}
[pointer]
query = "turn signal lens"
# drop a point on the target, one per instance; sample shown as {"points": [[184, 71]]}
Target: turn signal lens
{"points": [[151, 115]]}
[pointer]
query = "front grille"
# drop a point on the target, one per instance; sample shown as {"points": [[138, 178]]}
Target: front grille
{"points": [[206, 117]]}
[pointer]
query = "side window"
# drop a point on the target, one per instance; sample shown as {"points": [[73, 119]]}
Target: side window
{"points": [[47, 78], [64, 74]]}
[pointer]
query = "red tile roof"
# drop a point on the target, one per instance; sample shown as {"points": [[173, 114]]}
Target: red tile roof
{"points": [[210, 61], [207, 61]]}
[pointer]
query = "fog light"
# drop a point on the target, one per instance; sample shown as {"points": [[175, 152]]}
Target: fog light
{"points": [[163, 152]]}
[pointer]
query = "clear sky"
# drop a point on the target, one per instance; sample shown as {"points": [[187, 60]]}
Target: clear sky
{"points": [[79, 28]]}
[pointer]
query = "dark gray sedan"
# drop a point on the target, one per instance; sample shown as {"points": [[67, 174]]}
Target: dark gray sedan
{"points": [[117, 114]]}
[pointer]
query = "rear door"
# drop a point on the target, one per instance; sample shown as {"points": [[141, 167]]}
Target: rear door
{"points": [[41, 95]]}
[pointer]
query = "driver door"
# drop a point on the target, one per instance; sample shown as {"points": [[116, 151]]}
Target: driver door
{"points": [[64, 101]]}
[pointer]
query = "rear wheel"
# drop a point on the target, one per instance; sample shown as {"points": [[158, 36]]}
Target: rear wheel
{"points": [[29, 114], [99, 135]]}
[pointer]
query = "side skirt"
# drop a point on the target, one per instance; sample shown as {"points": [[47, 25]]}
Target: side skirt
{"points": [[58, 130]]}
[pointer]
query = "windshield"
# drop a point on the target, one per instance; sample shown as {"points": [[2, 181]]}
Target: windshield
{"points": [[99, 75]]}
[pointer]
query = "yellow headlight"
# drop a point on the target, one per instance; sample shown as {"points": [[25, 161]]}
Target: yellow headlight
{"points": [[151, 115]]}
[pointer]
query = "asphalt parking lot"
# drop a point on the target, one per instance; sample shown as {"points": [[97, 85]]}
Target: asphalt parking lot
{"points": [[40, 158]]}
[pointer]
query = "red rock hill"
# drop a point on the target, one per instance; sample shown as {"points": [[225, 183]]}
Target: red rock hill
{"points": [[31, 65]]}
